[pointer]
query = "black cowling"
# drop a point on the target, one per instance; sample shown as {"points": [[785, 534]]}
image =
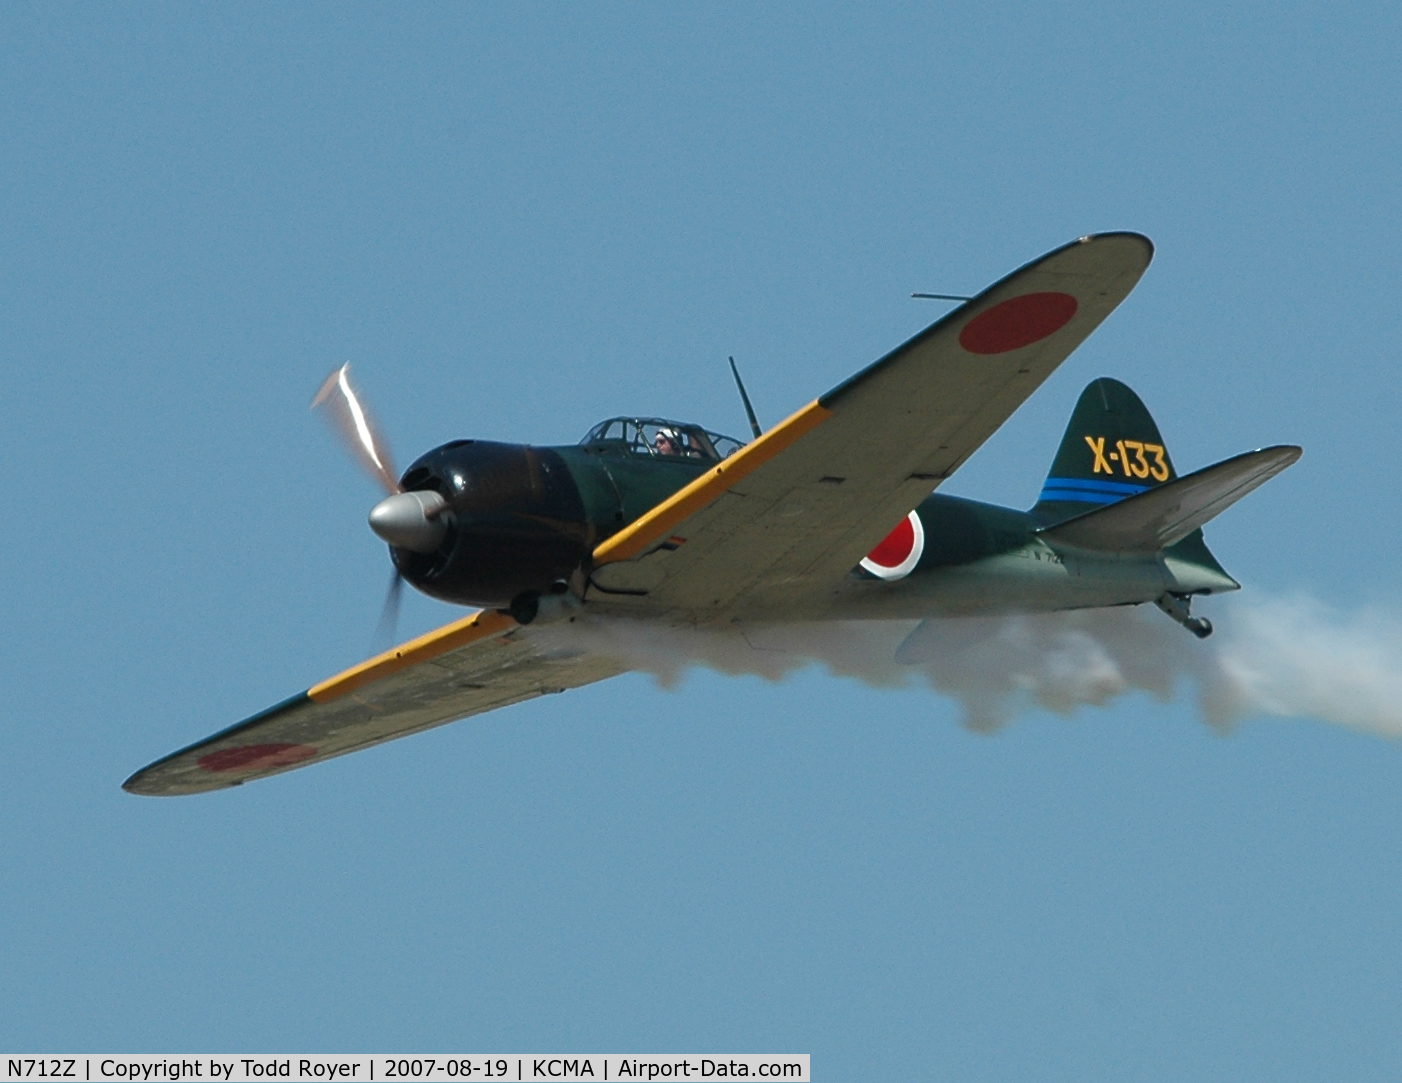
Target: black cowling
{"points": [[516, 523]]}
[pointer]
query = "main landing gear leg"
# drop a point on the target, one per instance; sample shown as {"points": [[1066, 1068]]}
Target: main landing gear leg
{"points": [[1176, 606]]}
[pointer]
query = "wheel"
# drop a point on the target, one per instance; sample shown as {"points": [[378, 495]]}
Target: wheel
{"points": [[524, 607]]}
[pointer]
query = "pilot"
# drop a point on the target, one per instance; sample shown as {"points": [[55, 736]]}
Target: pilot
{"points": [[666, 442]]}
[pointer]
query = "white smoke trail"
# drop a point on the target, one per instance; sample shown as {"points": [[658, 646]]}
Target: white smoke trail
{"points": [[1290, 658], [1299, 659]]}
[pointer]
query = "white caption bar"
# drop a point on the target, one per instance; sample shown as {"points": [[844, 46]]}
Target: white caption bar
{"points": [[417, 1068]]}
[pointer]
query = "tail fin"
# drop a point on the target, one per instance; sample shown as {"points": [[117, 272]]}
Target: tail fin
{"points": [[1112, 449]]}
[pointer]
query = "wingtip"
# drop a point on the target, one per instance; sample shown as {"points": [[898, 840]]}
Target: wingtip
{"points": [[1121, 234], [139, 785], [1289, 454], [147, 787]]}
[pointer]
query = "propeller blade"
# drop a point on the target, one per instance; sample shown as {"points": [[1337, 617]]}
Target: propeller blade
{"points": [[353, 424], [389, 615]]}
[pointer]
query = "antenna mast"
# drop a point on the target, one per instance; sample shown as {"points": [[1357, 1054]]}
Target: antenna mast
{"points": [[749, 410]]}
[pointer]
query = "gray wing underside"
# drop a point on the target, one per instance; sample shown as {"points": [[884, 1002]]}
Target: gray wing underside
{"points": [[479, 677]]}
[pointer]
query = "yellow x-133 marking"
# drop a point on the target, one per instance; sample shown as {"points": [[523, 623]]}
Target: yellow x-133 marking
{"points": [[1137, 466]]}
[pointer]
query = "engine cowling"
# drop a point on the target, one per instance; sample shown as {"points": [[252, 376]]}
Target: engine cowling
{"points": [[513, 523]]}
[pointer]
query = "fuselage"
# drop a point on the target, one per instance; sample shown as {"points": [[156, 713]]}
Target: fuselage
{"points": [[523, 521]]}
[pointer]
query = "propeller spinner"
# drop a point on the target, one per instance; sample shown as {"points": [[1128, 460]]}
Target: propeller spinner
{"points": [[480, 523]]}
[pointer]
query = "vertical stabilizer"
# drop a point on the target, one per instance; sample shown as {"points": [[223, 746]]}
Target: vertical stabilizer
{"points": [[1112, 449]]}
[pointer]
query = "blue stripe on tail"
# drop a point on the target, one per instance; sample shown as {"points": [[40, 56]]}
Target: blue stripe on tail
{"points": [[1085, 491]]}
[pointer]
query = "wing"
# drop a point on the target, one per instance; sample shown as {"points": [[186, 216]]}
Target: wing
{"points": [[1152, 520], [473, 665], [776, 528]]}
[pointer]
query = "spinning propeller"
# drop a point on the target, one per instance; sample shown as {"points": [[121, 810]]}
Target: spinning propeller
{"points": [[410, 520]]}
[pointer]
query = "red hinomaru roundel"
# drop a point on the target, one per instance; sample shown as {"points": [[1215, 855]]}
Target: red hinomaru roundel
{"points": [[1018, 322], [899, 553], [256, 757]]}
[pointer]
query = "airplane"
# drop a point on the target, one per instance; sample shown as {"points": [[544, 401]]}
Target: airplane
{"points": [[832, 514]]}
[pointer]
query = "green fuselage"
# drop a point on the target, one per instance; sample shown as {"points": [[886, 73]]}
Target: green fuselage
{"points": [[977, 557]]}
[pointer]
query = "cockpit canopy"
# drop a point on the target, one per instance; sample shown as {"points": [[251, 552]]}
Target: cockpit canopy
{"points": [[657, 436]]}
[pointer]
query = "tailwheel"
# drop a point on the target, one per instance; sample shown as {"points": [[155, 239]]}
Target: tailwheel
{"points": [[1177, 607]]}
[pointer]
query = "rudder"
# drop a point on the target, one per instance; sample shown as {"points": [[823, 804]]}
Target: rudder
{"points": [[1112, 449]]}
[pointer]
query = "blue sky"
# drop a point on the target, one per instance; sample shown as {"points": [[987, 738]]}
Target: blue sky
{"points": [[516, 221]]}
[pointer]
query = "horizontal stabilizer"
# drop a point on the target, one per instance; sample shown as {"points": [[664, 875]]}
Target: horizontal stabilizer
{"points": [[1161, 516]]}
